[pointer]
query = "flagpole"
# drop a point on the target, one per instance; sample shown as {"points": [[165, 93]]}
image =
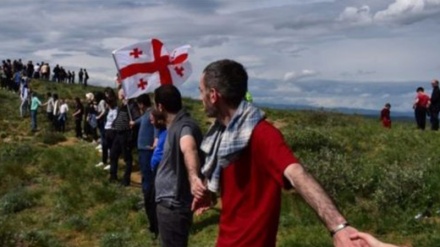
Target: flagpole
{"points": [[129, 112], [122, 86]]}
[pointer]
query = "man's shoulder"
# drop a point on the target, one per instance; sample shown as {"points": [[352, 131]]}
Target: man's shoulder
{"points": [[264, 126], [265, 131], [186, 121]]}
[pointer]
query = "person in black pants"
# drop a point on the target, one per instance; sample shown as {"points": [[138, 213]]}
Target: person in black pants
{"points": [[122, 142], [421, 108], [78, 115], [434, 107]]}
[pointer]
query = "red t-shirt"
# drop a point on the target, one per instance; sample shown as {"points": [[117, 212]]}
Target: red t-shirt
{"points": [[251, 190], [422, 100]]}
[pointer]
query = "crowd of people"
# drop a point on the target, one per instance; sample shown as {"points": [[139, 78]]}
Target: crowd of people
{"points": [[14, 72], [242, 158]]}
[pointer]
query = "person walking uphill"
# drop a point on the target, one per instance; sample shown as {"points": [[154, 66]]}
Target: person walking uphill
{"points": [[420, 106], [35, 103], [434, 107], [248, 160], [177, 179]]}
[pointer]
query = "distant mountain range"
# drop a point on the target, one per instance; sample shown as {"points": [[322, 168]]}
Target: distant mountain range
{"points": [[395, 115]]}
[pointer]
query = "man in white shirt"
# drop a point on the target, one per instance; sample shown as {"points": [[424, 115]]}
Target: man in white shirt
{"points": [[64, 108], [24, 96], [49, 106]]}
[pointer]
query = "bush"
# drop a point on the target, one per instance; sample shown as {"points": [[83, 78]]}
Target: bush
{"points": [[40, 238], [52, 138], [312, 140], [17, 200], [7, 232]]}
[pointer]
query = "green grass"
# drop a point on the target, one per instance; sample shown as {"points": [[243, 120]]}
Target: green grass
{"points": [[51, 193]]}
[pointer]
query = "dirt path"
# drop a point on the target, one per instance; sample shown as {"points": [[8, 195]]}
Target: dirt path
{"points": [[279, 123], [69, 141], [136, 177]]}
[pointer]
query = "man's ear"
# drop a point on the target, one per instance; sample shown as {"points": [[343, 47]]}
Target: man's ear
{"points": [[214, 96], [160, 107]]}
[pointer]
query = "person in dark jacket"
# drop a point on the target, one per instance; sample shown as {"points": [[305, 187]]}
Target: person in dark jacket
{"points": [[122, 142], [434, 107], [78, 116]]}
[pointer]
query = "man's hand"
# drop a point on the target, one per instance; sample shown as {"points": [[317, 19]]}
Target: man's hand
{"points": [[370, 240], [198, 190], [190, 154], [132, 123], [200, 205], [343, 238]]}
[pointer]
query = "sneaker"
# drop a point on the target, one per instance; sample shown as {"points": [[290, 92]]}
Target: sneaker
{"points": [[107, 167], [99, 164], [100, 150], [98, 147]]}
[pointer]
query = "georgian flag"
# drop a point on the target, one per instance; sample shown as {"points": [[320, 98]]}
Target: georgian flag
{"points": [[146, 65]]}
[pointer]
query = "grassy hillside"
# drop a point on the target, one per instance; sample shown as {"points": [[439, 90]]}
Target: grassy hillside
{"points": [[51, 194]]}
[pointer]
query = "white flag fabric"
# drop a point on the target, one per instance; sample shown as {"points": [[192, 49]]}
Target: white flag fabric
{"points": [[146, 65]]}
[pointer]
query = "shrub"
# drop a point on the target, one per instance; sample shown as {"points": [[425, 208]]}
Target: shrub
{"points": [[312, 140], [52, 138], [7, 232], [70, 198], [40, 238], [17, 200]]}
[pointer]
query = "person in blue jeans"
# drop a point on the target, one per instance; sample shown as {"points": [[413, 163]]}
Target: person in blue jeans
{"points": [[145, 140], [35, 103], [159, 122]]}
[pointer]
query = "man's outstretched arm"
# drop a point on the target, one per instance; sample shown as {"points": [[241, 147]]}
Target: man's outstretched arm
{"points": [[188, 147], [313, 193]]}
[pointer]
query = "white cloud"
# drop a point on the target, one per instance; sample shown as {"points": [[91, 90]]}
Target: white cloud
{"points": [[294, 76], [355, 15], [402, 10]]}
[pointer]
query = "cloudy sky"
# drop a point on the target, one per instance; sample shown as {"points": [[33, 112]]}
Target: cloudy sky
{"points": [[341, 53]]}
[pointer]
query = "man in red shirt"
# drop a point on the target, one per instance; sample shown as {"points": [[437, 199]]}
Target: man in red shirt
{"points": [[421, 105], [248, 162]]}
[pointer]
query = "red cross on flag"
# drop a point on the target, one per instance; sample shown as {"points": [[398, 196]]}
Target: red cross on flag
{"points": [[146, 65]]}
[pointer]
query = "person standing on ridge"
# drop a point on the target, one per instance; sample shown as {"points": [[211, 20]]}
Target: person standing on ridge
{"points": [[420, 106], [434, 107], [385, 116], [86, 77], [80, 76]]}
